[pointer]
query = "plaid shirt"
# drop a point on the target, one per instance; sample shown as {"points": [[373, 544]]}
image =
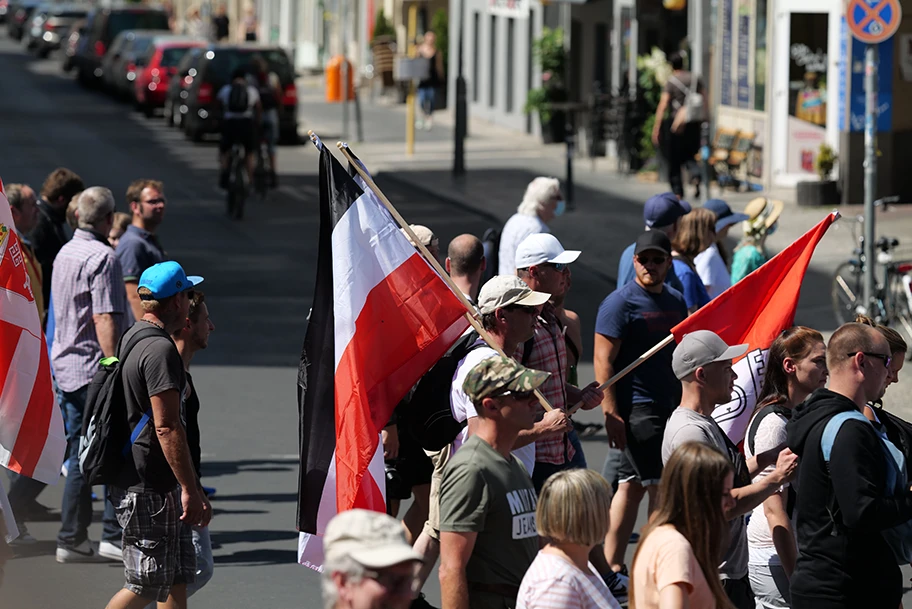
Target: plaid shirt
{"points": [[549, 353], [86, 281]]}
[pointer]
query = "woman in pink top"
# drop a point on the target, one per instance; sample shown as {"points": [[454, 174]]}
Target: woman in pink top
{"points": [[676, 565]]}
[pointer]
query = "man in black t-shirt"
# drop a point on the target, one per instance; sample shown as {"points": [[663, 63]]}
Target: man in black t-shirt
{"points": [[158, 478]]}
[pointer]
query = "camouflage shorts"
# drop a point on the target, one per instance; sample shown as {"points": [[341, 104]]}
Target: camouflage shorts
{"points": [[157, 547]]}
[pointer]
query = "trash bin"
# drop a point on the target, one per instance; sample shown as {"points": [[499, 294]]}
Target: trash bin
{"points": [[334, 79]]}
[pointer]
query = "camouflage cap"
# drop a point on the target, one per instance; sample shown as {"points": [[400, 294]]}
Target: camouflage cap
{"points": [[498, 374]]}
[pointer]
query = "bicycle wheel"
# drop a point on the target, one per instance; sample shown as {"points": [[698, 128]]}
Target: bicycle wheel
{"points": [[846, 291], [900, 317]]}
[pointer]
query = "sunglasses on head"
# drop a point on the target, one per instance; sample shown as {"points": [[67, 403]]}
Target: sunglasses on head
{"points": [[657, 259]]}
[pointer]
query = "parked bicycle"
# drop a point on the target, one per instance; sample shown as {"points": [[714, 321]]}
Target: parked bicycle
{"points": [[892, 297], [237, 182]]}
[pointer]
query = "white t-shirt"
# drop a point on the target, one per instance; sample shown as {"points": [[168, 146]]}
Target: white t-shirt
{"points": [[253, 97], [517, 228], [712, 271], [770, 434], [463, 409], [553, 583]]}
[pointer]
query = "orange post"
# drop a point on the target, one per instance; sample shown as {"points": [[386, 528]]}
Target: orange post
{"points": [[333, 74]]}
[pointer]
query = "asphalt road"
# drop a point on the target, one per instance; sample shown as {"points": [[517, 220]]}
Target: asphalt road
{"points": [[259, 276]]}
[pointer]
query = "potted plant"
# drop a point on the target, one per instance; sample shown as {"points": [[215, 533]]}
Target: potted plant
{"points": [[824, 191], [653, 71], [548, 50]]}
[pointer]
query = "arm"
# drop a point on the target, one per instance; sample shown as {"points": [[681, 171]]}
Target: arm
{"points": [[761, 461], [659, 116], [750, 496], [605, 353], [455, 550], [781, 529], [106, 331], [674, 597], [133, 298], [554, 423]]}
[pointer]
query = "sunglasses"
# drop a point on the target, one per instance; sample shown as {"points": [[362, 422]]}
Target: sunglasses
{"points": [[644, 260], [519, 395], [395, 584], [560, 267], [522, 308], [887, 360], [155, 201]]}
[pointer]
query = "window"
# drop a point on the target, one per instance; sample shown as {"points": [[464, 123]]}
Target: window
{"points": [[476, 34], [492, 56], [760, 57], [510, 60]]}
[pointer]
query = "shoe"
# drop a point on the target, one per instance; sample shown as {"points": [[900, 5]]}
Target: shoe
{"points": [[84, 552], [64, 470], [634, 538], [419, 124], [25, 538], [617, 583], [111, 550], [421, 603], [209, 490]]}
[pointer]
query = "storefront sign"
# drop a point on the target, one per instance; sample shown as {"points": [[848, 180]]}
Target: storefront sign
{"points": [[884, 86], [509, 8], [726, 79], [804, 143], [744, 47]]}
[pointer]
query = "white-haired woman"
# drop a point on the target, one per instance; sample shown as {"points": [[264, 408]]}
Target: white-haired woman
{"points": [[541, 203]]}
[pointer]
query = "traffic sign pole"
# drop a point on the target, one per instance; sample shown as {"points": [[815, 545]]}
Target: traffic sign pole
{"points": [[870, 172]]}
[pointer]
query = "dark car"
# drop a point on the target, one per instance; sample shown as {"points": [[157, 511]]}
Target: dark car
{"points": [[175, 107], [51, 25], [71, 44], [4, 9], [119, 65], [155, 69], [212, 70], [103, 25], [18, 15]]}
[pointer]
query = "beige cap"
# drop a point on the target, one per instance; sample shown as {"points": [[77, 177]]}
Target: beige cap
{"points": [[424, 234], [372, 539], [504, 290]]}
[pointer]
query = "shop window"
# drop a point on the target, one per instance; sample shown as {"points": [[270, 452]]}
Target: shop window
{"points": [[807, 93]]}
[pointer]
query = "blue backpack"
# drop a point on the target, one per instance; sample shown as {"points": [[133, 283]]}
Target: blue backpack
{"points": [[899, 538]]}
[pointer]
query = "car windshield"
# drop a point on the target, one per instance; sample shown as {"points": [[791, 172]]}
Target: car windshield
{"points": [[136, 20], [226, 61], [172, 56]]}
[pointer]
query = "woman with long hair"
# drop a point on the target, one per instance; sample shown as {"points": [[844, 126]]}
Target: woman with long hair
{"points": [[677, 563], [696, 232], [561, 576], [795, 368], [898, 431]]}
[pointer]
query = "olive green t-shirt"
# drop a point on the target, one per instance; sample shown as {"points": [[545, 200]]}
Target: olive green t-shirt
{"points": [[484, 493]]}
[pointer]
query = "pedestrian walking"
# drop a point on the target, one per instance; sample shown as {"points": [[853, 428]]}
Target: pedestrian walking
{"points": [[488, 538], [844, 522], [90, 314], [247, 30], [466, 263], [631, 320], [139, 247], [158, 496], [368, 562], [763, 220], [541, 203], [190, 339], [561, 574], [544, 265], [703, 363], [714, 263], [427, 87], [696, 234], [221, 24], [795, 368], [675, 563], [661, 213]]}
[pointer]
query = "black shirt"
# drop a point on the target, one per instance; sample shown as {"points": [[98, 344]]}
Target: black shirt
{"points": [[49, 235], [192, 408]]}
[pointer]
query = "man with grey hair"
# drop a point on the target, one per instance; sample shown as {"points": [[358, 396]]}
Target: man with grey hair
{"points": [[368, 562], [542, 202], [90, 314]]}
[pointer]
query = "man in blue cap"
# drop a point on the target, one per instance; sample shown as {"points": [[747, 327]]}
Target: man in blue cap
{"points": [[158, 477], [662, 213]]}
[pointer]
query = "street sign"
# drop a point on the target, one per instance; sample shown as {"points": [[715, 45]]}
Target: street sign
{"points": [[873, 21]]}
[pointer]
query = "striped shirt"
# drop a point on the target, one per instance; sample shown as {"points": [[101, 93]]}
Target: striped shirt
{"points": [[553, 583], [87, 280]]}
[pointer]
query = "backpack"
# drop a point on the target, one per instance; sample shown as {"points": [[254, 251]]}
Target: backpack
{"points": [[238, 98], [106, 438], [790, 498], [267, 94], [428, 413], [899, 538], [691, 111]]}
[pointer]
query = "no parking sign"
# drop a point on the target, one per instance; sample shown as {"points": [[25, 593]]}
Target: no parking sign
{"points": [[873, 21]]}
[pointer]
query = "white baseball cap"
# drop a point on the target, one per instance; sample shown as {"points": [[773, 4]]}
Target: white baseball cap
{"points": [[372, 539], [543, 247], [504, 290]]}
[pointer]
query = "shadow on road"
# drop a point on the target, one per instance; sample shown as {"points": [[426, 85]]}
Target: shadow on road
{"points": [[213, 469]]}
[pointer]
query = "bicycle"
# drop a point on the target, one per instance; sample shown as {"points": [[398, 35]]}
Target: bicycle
{"points": [[237, 181], [263, 171], [892, 296]]}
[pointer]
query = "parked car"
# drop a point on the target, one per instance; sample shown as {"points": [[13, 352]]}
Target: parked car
{"points": [[71, 44], [175, 107], [18, 14], [155, 69], [51, 23], [103, 25], [213, 70], [119, 64], [4, 10]]}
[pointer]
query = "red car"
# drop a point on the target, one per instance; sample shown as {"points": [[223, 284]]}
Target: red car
{"points": [[155, 68]]}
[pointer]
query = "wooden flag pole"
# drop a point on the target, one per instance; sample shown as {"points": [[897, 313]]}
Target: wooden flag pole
{"points": [[614, 379], [470, 309]]}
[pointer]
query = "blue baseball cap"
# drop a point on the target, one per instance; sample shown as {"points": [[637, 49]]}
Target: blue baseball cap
{"points": [[724, 214], [167, 279], [664, 209]]}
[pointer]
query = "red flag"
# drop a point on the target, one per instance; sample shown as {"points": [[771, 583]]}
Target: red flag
{"points": [[381, 318], [754, 311], [32, 438]]}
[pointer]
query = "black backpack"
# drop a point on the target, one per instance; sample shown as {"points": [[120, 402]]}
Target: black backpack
{"points": [[238, 99], [267, 95], [790, 499], [428, 414], [106, 438]]}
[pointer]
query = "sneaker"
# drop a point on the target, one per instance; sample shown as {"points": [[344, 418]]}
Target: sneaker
{"points": [[25, 538], [111, 550], [209, 490], [618, 583], [84, 552]]}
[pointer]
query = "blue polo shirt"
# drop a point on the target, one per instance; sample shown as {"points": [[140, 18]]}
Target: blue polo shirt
{"points": [[626, 273], [137, 250]]}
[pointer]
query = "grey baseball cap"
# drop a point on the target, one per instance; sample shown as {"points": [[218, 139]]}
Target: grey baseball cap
{"points": [[700, 348], [504, 290]]}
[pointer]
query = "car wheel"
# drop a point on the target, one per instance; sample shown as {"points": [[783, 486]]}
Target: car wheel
{"points": [[43, 52], [147, 110]]}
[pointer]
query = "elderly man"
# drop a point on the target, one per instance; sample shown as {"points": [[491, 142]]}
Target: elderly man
{"points": [[843, 559], [368, 562], [542, 202], [90, 314]]}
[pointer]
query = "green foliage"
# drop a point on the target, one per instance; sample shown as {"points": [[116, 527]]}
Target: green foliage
{"points": [[548, 50], [382, 26], [440, 25], [653, 71], [647, 148], [537, 101], [826, 161]]}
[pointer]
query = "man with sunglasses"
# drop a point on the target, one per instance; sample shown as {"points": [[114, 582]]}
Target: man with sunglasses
{"points": [[139, 248], [487, 502], [845, 504], [631, 320], [661, 213]]}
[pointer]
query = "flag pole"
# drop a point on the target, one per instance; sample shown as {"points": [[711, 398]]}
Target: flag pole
{"points": [[630, 367], [470, 309]]}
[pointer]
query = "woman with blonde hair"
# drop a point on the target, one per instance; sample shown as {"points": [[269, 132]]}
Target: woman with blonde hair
{"points": [[676, 565], [695, 233], [572, 518]]}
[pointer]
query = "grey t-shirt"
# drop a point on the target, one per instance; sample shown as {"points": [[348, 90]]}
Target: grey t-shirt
{"points": [[153, 367], [484, 493], [684, 426]]}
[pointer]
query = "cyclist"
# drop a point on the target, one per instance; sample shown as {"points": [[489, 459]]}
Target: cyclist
{"points": [[269, 87], [241, 112]]}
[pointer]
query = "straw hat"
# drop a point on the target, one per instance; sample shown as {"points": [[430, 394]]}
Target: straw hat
{"points": [[762, 213]]}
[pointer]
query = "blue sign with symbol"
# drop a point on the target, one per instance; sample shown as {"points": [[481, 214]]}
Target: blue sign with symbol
{"points": [[873, 21]]}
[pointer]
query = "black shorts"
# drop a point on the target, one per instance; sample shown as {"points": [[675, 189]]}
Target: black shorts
{"points": [[642, 459], [414, 466], [240, 131]]}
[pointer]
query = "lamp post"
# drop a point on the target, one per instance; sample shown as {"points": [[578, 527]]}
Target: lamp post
{"points": [[459, 132]]}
